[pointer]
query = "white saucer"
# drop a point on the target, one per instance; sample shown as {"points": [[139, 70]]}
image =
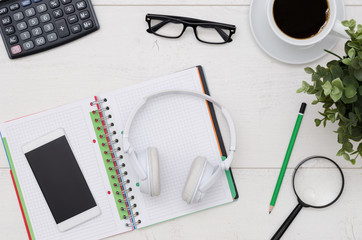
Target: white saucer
{"points": [[280, 50]]}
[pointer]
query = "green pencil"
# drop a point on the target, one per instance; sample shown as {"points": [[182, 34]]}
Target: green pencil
{"points": [[287, 156]]}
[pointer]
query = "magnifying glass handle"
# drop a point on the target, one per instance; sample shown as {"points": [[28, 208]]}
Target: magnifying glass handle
{"points": [[287, 222]]}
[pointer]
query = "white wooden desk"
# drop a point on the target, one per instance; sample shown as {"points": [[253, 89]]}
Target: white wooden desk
{"points": [[258, 90]]}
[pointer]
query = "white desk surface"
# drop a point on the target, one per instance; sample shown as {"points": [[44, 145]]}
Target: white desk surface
{"points": [[258, 90]]}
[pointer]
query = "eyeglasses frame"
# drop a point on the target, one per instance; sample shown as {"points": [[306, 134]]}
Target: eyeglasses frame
{"points": [[193, 23]]}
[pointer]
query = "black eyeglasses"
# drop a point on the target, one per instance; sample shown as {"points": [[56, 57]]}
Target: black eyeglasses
{"points": [[174, 27]]}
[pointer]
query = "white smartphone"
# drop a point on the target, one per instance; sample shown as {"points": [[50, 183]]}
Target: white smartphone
{"points": [[61, 180]]}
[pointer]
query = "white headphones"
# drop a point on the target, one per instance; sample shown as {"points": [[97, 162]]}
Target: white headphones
{"points": [[202, 174]]}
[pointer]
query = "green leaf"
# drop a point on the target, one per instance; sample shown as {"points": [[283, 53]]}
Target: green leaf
{"points": [[347, 80], [347, 146], [318, 84], [317, 122], [327, 87], [336, 94], [316, 76], [359, 28], [300, 90], [358, 113], [336, 71], [315, 102], [327, 105], [352, 23], [347, 61], [350, 91], [358, 74], [353, 118], [340, 152], [332, 117], [343, 118], [337, 83], [355, 63], [353, 45], [346, 156], [321, 70], [360, 90], [308, 70], [352, 53], [345, 23], [337, 89], [349, 100], [359, 148]]}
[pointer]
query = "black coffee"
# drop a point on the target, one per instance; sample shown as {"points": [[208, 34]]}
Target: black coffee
{"points": [[301, 18]]}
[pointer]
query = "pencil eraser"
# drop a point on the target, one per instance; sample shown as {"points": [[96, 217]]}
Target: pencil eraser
{"points": [[302, 108]]}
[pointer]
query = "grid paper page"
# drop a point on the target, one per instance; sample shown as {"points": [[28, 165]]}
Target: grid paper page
{"points": [[73, 119], [181, 129]]}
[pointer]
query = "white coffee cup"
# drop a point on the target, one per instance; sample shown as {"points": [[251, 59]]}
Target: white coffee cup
{"points": [[333, 26]]}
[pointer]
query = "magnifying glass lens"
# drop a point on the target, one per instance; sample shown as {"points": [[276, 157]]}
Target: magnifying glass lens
{"points": [[318, 182]]}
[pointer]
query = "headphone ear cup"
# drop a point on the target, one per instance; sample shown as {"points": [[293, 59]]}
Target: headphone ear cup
{"points": [[193, 179], [154, 171]]}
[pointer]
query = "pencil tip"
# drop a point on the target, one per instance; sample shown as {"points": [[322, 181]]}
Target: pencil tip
{"points": [[270, 209]]}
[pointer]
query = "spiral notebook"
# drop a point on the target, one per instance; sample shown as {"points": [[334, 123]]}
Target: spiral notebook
{"points": [[179, 126]]}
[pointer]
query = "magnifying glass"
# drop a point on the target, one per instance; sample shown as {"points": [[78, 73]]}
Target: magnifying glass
{"points": [[318, 182]]}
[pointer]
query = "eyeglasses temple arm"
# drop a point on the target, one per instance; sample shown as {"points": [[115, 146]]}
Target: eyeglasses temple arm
{"points": [[222, 34]]}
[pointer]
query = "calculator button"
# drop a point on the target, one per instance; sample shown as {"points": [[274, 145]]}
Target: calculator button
{"points": [[81, 5], [76, 28], [45, 18], [28, 45], [33, 22], [18, 16], [66, 1], [6, 20], [21, 26], [52, 37], [25, 3], [84, 15], [25, 35], [69, 9], [87, 24], [3, 11], [13, 40], [30, 12], [36, 1], [58, 13], [36, 31], [62, 28], [40, 41], [9, 30], [54, 4], [14, 7], [48, 27], [72, 19], [41, 8], [16, 49]]}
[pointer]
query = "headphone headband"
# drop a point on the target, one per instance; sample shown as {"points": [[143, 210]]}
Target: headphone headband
{"points": [[225, 164]]}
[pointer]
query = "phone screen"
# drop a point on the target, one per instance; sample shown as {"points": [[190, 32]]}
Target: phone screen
{"points": [[60, 179]]}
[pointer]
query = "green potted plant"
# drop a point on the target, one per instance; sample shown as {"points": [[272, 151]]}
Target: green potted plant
{"points": [[338, 86]]}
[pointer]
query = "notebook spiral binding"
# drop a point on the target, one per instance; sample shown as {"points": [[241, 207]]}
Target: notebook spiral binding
{"points": [[106, 131]]}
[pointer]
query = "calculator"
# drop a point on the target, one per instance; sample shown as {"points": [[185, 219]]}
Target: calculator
{"points": [[32, 26]]}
